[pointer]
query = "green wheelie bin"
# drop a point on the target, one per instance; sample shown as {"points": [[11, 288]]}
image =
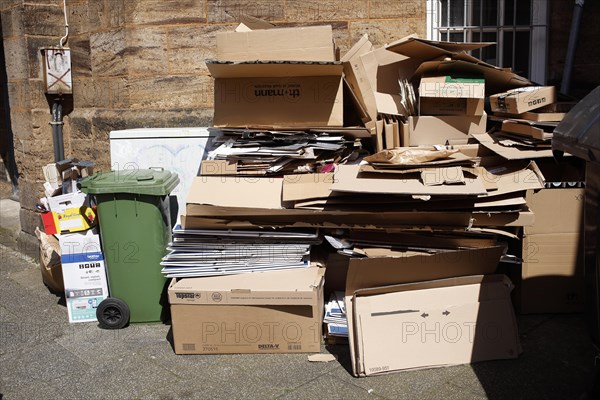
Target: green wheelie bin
{"points": [[135, 228]]}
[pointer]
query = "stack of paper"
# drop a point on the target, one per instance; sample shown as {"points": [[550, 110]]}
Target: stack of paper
{"points": [[225, 252], [261, 152], [335, 315]]}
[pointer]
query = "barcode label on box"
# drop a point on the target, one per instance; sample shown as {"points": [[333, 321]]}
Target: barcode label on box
{"points": [[294, 346], [189, 347]]}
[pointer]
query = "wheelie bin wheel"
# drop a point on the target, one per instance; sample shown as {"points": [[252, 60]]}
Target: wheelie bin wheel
{"points": [[112, 313]]}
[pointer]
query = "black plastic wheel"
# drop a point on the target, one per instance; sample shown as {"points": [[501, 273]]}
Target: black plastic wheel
{"points": [[112, 313]]}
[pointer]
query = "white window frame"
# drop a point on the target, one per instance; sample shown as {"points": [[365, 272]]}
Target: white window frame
{"points": [[538, 33]]}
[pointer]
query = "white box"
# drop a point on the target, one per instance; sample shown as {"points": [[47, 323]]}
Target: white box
{"points": [[84, 274], [60, 204]]}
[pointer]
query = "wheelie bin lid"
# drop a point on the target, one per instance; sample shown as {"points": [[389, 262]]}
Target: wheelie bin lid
{"points": [[579, 131], [154, 182]]}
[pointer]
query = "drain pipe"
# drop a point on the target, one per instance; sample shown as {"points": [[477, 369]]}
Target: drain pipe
{"points": [[57, 130], [565, 85]]}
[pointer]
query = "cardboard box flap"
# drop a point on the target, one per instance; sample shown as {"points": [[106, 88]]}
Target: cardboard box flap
{"points": [[347, 179], [254, 23], [437, 283], [384, 271], [430, 49], [273, 69], [308, 43], [298, 286], [390, 104], [362, 46], [496, 79]]}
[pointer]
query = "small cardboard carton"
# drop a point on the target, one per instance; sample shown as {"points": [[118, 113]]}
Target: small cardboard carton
{"points": [[431, 324], [84, 274], [263, 312], [520, 100], [68, 214], [451, 95], [277, 94], [308, 43], [452, 129]]}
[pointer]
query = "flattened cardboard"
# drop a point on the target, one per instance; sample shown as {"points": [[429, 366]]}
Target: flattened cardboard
{"points": [[455, 129], [307, 186], [268, 312], [349, 179], [277, 94], [477, 324], [413, 46], [526, 129], [510, 152], [308, 43], [246, 192]]}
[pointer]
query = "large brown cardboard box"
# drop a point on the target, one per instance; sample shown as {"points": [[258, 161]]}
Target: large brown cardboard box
{"points": [[552, 279], [308, 43], [431, 324], [277, 94], [266, 312]]}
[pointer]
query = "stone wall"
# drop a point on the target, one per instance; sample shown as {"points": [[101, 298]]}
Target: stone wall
{"points": [[139, 63]]}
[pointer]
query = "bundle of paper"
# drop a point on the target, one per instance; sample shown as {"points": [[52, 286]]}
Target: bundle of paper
{"points": [[335, 315], [262, 152], [225, 252]]}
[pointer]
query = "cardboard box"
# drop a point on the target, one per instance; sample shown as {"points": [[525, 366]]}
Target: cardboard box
{"points": [[263, 312], [84, 274], [432, 130], [520, 100], [277, 95], [431, 324], [308, 43], [50, 264], [68, 214], [451, 95], [552, 275]]}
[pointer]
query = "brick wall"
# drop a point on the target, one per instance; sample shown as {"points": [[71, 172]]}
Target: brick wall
{"points": [[586, 65], [139, 63]]}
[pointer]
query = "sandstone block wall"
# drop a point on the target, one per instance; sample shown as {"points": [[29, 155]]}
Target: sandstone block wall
{"points": [[140, 63]]}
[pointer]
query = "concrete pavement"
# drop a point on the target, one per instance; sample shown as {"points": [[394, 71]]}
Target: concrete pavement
{"points": [[43, 356]]}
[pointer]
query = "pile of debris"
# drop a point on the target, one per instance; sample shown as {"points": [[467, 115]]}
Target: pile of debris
{"points": [[425, 203]]}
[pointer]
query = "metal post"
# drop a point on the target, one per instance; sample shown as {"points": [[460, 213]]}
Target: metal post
{"points": [[573, 37], [57, 130]]}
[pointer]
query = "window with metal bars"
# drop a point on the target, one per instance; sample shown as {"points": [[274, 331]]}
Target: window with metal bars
{"points": [[518, 27]]}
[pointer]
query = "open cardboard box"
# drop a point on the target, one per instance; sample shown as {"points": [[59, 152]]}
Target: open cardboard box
{"points": [[436, 323], [262, 312]]}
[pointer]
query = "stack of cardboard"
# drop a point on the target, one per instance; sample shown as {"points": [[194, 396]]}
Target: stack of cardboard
{"points": [[414, 234]]}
